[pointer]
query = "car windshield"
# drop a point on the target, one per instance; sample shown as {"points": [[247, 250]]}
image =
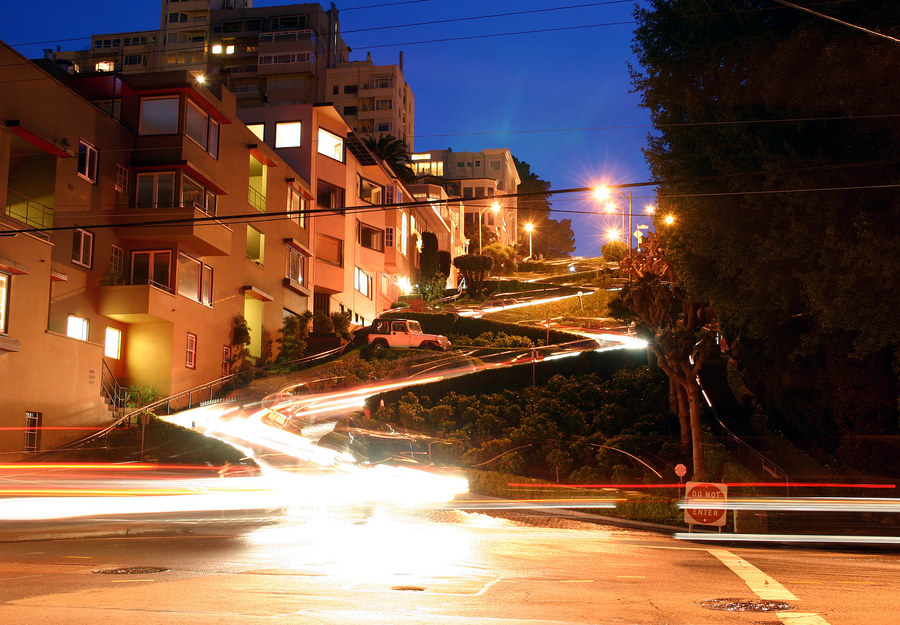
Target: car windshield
{"points": [[415, 328]]}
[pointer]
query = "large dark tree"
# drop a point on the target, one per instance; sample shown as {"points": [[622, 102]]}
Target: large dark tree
{"points": [[550, 238], [775, 146], [395, 153]]}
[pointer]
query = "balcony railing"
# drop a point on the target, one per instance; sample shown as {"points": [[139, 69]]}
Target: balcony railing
{"points": [[256, 199], [28, 211]]}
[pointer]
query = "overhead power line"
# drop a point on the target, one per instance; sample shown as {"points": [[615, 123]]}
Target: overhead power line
{"points": [[837, 21]]}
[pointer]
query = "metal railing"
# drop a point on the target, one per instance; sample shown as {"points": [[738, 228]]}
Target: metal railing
{"points": [[111, 389], [28, 211], [256, 199]]}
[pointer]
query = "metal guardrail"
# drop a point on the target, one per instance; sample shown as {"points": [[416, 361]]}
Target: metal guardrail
{"points": [[28, 211], [114, 391]]}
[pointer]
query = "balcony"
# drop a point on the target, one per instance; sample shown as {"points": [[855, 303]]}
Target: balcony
{"points": [[138, 303], [256, 199], [27, 211], [192, 227]]}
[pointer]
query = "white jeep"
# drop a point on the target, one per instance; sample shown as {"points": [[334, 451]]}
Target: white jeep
{"points": [[404, 333]]}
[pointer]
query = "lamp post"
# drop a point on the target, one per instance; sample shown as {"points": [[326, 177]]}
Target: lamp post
{"points": [[494, 207], [601, 193], [529, 228]]}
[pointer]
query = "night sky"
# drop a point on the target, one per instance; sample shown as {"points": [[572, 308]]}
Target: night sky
{"points": [[559, 99]]}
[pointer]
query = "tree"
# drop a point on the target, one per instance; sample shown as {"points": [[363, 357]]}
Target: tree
{"points": [[680, 332], [474, 269], [240, 360], [294, 335], [431, 286], [776, 131], [504, 258], [613, 251], [550, 238], [395, 153]]}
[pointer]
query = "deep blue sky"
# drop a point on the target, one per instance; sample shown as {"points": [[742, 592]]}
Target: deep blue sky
{"points": [[559, 100]]}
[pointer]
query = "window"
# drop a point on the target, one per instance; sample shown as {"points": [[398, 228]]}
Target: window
{"points": [[82, 247], [389, 237], [159, 116], [77, 327], [349, 110], [196, 124], [467, 192], [116, 264], [152, 267], [403, 233], [155, 190], [329, 250], [226, 360], [112, 344], [296, 207], [384, 82], [329, 196], [104, 66], [287, 135], [495, 165], [477, 163], [256, 245], [87, 161], [196, 195], [331, 145], [368, 191], [384, 105], [479, 191], [296, 265], [4, 303], [121, 179], [369, 237], [258, 130], [33, 421], [213, 145], [194, 279], [190, 352], [362, 282], [384, 127], [351, 88], [134, 59]]}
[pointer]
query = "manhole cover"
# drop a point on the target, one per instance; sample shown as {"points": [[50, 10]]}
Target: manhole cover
{"points": [[134, 570], [746, 605], [417, 588]]}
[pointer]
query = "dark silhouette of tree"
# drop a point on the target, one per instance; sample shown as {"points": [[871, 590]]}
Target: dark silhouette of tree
{"points": [[474, 269], [395, 153], [550, 238]]}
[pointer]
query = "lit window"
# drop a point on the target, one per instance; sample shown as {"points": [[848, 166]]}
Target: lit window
{"points": [[190, 356], [296, 266], [159, 116], [389, 237], [112, 345], [121, 179], [258, 130], [256, 245], [87, 161], [229, 49], [287, 135], [217, 48], [77, 327], [4, 303], [82, 248], [368, 191], [104, 66], [296, 208], [403, 233], [331, 145], [362, 282]]}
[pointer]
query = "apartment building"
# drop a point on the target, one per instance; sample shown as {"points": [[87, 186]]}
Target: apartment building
{"points": [[277, 56], [481, 180]]}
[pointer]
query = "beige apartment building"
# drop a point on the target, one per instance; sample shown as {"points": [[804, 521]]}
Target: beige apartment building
{"points": [[273, 56], [141, 216], [482, 180]]}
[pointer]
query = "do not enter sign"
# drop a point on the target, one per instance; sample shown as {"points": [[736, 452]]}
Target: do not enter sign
{"points": [[704, 503]]}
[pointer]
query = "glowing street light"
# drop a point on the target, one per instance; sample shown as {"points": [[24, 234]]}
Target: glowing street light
{"points": [[494, 207], [529, 228], [669, 220]]}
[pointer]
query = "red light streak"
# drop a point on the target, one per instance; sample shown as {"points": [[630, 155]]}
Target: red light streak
{"points": [[729, 484]]}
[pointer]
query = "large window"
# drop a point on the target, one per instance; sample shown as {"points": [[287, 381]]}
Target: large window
{"points": [[296, 207], [112, 345], [4, 303], [256, 245], [259, 130], [196, 195], [194, 279], [368, 191], [152, 267], [329, 250], [287, 134], [87, 161], [403, 233], [77, 327], [202, 128], [369, 237], [159, 116], [33, 427], [155, 190], [296, 266], [331, 145], [82, 247], [362, 282], [329, 196]]}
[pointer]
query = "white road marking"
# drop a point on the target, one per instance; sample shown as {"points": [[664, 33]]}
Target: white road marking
{"points": [[798, 618], [764, 586]]}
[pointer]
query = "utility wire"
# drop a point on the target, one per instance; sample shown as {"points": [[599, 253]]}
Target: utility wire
{"points": [[836, 20]]}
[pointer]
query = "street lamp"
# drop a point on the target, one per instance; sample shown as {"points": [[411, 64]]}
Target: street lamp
{"points": [[494, 207], [603, 193], [529, 228]]}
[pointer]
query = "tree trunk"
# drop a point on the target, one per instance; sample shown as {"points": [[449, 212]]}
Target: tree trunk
{"points": [[684, 415], [693, 395]]}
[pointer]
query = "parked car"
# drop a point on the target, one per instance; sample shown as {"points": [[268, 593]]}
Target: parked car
{"points": [[404, 333]]}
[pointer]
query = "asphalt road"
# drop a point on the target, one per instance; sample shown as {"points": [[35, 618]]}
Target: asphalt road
{"points": [[364, 567]]}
